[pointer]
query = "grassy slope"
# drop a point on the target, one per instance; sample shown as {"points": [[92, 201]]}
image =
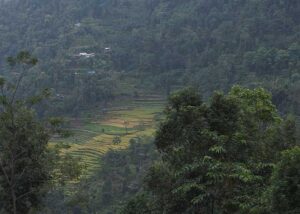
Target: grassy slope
{"points": [[93, 135]]}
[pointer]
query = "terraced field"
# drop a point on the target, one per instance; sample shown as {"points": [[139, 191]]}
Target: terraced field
{"points": [[93, 133]]}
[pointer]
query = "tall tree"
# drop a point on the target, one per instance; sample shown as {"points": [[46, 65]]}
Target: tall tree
{"points": [[285, 189], [24, 155], [217, 157]]}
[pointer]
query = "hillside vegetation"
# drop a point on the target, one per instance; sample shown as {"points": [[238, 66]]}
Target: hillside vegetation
{"points": [[228, 143], [234, 154], [156, 45], [98, 132]]}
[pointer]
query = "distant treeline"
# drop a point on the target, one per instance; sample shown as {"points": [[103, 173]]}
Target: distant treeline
{"points": [[160, 44]]}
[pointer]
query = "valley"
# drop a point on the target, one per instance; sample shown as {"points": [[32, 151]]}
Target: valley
{"points": [[93, 133]]}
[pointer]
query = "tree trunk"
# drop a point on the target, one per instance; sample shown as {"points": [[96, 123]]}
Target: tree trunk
{"points": [[14, 200], [212, 206]]}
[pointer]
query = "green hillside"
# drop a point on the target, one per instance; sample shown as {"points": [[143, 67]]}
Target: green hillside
{"points": [[156, 45], [111, 68], [93, 136]]}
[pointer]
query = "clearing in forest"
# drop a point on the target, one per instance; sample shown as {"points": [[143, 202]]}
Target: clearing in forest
{"points": [[95, 132]]}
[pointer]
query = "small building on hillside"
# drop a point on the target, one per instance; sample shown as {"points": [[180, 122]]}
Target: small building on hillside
{"points": [[86, 55], [107, 49], [91, 72], [78, 24]]}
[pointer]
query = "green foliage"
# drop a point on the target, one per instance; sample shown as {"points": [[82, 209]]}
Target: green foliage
{"points": [[23, 57], [2, 81], [109, 187], [187, 97], [217, 157], [24, 157], [70, 168], [26, 161], [155, 44], [117, 140], [285, 191], [138, 204]]}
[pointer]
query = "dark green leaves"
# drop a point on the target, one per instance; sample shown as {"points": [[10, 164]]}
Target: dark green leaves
{"points": [[285, 188], [22, 58], [116, 140], [217, 156], [184, 98], [2, 81]]}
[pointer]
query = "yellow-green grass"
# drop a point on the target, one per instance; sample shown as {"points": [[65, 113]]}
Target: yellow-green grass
{"points": [[126, 119]]}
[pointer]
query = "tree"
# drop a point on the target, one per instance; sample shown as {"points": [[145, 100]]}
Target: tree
{"points": [[211, 44], [24, 156], [70, 168], [138, 204], [23, 159], [285, 190], [126, 124], [117, 140], [217, 157]]}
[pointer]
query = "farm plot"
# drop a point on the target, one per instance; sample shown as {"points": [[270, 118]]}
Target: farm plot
{"points": [[94, 136]]}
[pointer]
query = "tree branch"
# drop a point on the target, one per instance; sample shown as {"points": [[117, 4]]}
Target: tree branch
{"points": [[5, 173], [23, 195], [18, 85]]}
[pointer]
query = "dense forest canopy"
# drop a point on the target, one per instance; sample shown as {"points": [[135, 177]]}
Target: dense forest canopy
{"points": [[218, 157], [228, 143], [161, 44]]}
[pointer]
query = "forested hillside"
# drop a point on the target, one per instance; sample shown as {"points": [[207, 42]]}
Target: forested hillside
{"points": [[156, 44], [93, 118], [234, 154]]}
